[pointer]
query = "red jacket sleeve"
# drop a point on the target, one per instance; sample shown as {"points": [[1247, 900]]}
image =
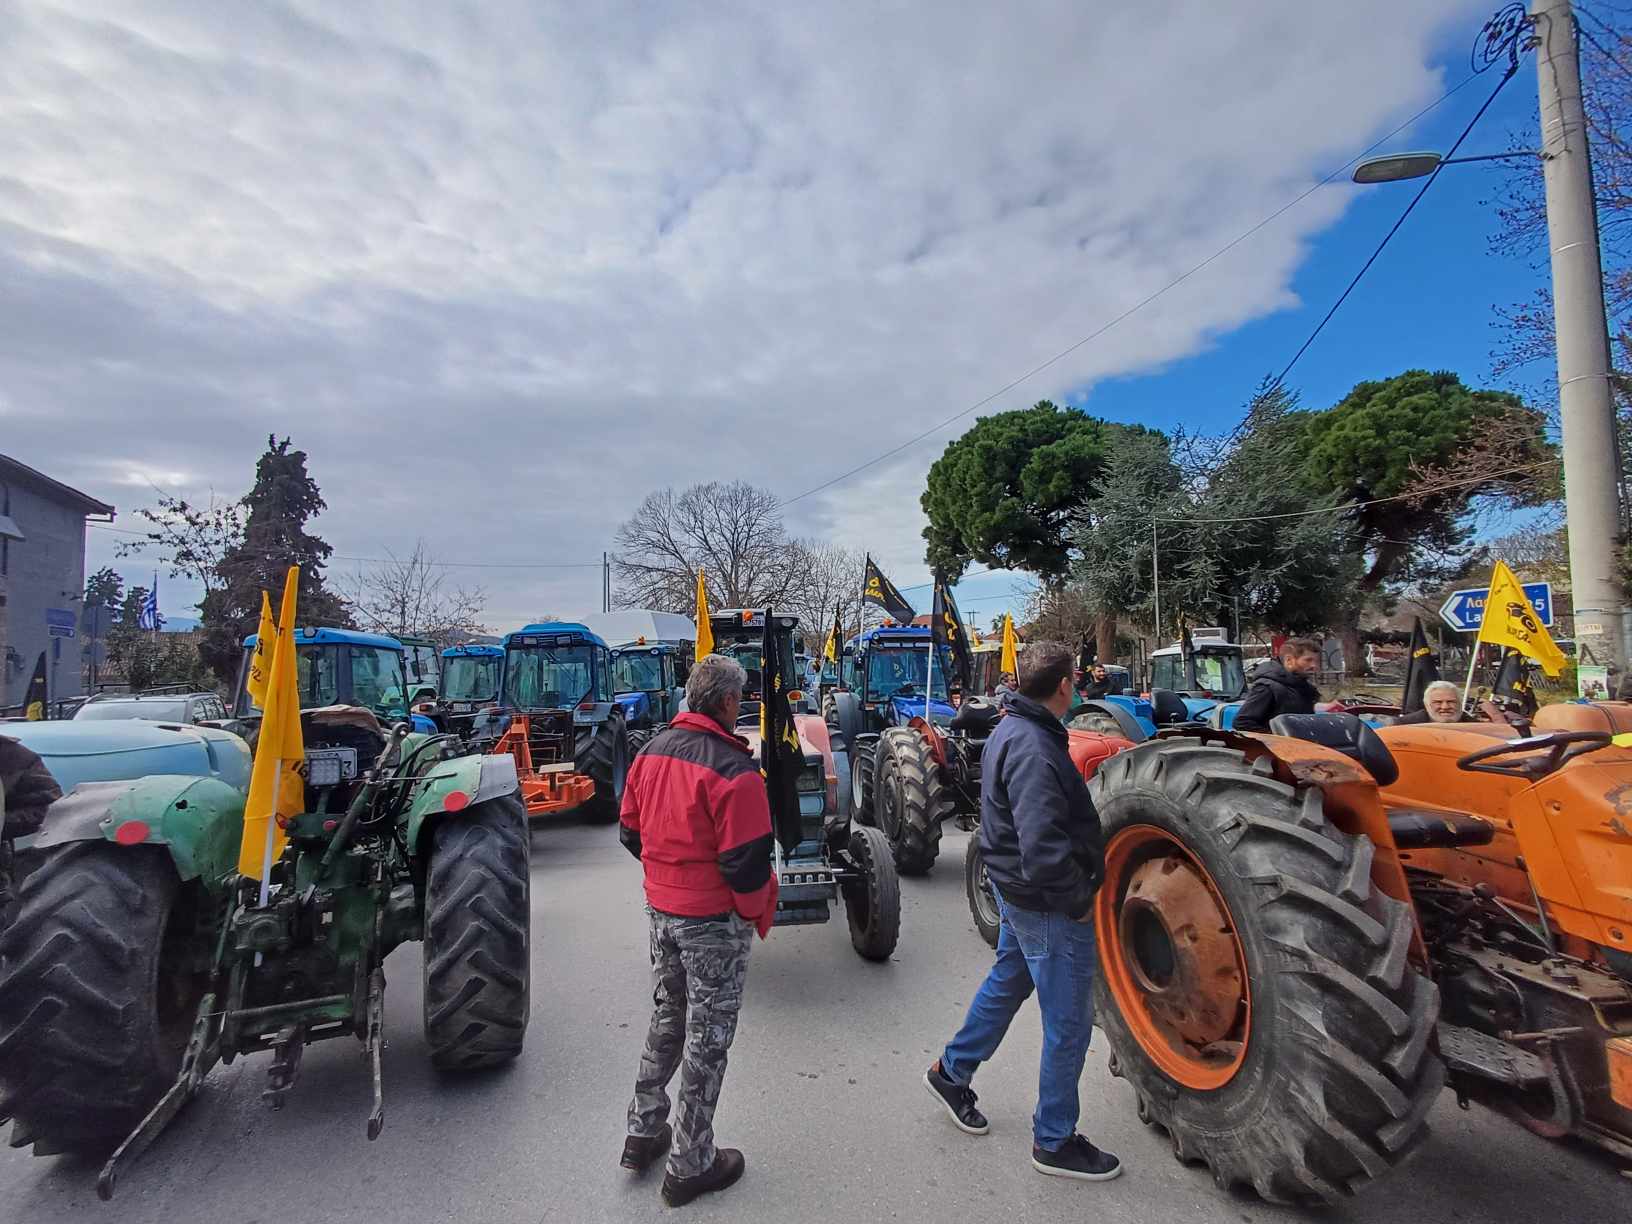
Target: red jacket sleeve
{"points": [[629, 814], [742, 830]]}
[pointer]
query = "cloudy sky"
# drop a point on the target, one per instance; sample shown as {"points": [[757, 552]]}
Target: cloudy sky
{"points": [[503, 268]]}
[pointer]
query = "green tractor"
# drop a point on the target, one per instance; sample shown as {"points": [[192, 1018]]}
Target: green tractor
{"points": [[138, 957]]}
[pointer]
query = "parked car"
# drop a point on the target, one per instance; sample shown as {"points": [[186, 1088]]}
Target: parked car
{"points": [[188, 709]]}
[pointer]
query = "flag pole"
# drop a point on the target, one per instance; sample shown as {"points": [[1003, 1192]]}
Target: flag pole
{"points": [[1473, 662], [929, 685]]}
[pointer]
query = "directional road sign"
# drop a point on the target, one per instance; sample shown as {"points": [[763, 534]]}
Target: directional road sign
{"points": [[60, 622], [1465, 610]]}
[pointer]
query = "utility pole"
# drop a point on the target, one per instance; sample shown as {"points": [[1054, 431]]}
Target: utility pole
{"points": [[1586, 405], [1156, 581]]}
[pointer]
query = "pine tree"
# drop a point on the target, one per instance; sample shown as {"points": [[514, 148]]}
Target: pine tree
{"points": [[276, 512]]}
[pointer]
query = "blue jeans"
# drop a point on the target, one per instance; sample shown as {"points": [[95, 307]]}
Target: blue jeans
{"points": [[1056, 957]]}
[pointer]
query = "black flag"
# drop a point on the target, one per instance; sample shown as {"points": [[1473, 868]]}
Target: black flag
{"points": [[780, 756], [1421, 669], [35, 698], [879, 590], [1512, 689], [1187, 651], [947, 628]]}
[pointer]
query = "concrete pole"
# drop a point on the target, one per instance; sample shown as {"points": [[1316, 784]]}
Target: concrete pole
{"points": [[1586, 406]]}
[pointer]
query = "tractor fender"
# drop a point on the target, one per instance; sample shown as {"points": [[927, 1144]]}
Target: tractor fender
{"points": [[200, 821], [477, 778], [937, 743], [1352, 799], [1125, 718], [847, 713]]}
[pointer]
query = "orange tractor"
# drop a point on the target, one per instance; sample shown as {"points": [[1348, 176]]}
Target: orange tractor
{"points": [[1304, 936]]}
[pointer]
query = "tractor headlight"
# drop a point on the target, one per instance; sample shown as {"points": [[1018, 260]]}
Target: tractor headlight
{"points": [[811, 779]]}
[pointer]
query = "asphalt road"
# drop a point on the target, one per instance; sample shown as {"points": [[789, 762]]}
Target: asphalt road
{"points": [[823, 1095]]}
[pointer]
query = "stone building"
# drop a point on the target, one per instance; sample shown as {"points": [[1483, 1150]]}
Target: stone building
{"points": [[42, 578]]}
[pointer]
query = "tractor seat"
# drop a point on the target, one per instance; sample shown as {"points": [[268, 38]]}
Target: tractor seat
{"points": [[1168, 707], [1343, 733], [977, 716]]}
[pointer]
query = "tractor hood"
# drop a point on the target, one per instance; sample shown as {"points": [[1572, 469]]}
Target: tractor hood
{"points": [[905, 709], [635, 705], [113, 751]]}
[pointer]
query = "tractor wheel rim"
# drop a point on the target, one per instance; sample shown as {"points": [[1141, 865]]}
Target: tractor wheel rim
{"points": [[986, 899], [1172, 958], [891, 814]]}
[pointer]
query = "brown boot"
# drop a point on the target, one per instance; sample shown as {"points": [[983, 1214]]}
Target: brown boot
{"points": [[725, 1171], [640, 1154]]}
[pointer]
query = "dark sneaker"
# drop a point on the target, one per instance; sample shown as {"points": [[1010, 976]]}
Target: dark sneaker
{"points": [[1076, 1158], [725, 1171], [959, 1101], [640, 1154]]}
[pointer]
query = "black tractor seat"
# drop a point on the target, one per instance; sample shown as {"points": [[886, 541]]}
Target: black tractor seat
{"points": [[977, 716], [1342, 733]]}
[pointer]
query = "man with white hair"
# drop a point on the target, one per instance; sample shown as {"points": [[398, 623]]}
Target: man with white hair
{"points": [[696, 815], [1441, 703]]}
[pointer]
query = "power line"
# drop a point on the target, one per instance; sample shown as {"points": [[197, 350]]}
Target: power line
{"points": [[1395, 228], [394, 560], [1140, 305], [1414, 495]]}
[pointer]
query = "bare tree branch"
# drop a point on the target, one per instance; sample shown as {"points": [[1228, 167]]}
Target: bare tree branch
{"points": [[413, 596]]}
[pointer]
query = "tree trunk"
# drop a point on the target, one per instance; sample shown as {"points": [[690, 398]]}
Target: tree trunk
{"points": [[1105, 636], [1354, 653]]}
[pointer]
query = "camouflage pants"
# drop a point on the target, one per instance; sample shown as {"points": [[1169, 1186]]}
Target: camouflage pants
{"points": [[699, 965]]}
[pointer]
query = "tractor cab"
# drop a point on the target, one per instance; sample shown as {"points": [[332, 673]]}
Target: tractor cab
{"points": [[341, 667], [557, 666], [740, 634], [1213, 671], [887, 671], [423, 664], [469, 681], [646, 682]]}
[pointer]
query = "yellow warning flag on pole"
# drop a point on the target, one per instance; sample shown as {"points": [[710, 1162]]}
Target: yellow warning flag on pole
{"points": [[705, 631], [260, 659], [277, 783], [1011, 649], [1511, 621]]}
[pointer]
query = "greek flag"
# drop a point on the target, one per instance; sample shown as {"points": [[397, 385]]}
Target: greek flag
{"points": [[149, 618]]}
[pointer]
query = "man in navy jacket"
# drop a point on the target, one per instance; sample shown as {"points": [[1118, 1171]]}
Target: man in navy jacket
{"points": [[1040, 837]]}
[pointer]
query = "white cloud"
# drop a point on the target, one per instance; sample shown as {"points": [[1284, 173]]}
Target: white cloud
{"points": [[503, 268]]}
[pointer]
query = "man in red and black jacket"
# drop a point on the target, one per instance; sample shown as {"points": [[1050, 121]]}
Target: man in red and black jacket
{"points": [[695, 813]]}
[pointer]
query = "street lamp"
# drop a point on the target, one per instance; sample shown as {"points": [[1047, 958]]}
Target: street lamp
{"points": [[1398, 167]]}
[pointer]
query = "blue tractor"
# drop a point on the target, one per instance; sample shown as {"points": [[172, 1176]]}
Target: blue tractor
{"points": [[914, 757], [559, 675], [648, 682], [342, 667], [1204, 684], [470, 683]]}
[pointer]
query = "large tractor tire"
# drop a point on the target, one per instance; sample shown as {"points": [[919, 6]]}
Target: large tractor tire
{"points": [[639, 737], [477, 967], [1254, 984], [863, 769], [910, 799], [873, 903], [604, 755], [982, 898], [94, 1016]]}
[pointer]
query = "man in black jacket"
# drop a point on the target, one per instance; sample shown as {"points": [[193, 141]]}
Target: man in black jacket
{"points": [[1100, 683], [1282, 687], [1039, 835]]}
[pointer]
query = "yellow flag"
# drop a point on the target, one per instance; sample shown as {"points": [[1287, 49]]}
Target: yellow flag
{"points": [[1011, 650], [1511, 621], [260, 659], [705, 631], [277, 783]]}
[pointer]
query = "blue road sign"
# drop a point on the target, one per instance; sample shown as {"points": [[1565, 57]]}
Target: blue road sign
{"points": [[1465, 610], [61, 622]]}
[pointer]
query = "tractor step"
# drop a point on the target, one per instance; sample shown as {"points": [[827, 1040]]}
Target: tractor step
{"points": [[1475, 1053]]}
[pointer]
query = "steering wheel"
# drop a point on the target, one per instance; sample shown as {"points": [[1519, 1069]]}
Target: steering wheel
{"points": [[1560, 748]]}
